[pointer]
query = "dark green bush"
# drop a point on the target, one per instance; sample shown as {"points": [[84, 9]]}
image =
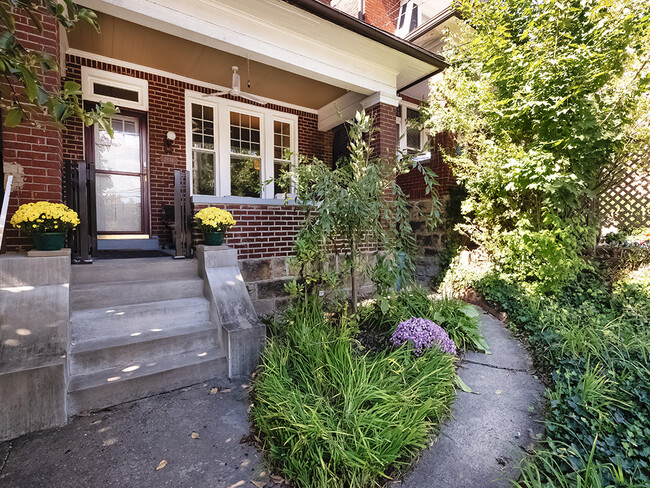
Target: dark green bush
{"points": [[331, 417], [593, 345]]}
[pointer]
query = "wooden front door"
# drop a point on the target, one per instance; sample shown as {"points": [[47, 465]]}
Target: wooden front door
{"points": [[121, 176]]}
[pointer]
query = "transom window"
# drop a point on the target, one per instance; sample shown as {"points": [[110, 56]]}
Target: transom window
{"points": [[237, 148]]}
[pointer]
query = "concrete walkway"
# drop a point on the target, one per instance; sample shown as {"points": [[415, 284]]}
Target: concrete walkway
{"points": [[487, 437], [122, 446]]}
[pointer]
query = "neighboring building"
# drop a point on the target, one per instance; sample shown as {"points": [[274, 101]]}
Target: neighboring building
{"points": [[111, 331]]}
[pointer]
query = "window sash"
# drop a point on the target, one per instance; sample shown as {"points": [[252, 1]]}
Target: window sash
{"points": [[223, 151]]}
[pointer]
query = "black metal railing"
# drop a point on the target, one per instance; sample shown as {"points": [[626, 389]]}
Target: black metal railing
{"points": [[182, 214], [80, 196]]}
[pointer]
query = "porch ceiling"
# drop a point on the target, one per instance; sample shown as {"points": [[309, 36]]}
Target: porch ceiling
{"points": [[126, 41], [281, 35]]}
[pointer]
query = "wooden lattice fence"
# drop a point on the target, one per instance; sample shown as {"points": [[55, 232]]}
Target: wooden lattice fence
{"points": [[627, 204]]}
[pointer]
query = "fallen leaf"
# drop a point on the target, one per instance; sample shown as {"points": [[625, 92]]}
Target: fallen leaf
{"points": [[498, 392], [277, 479], [226, 390], [213, 391], [531, 434], [259, 484], [161, 465], [195, 435], [253, 374]]}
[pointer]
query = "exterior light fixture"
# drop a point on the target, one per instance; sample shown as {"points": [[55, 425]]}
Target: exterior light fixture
{"points": [[169, 142]]}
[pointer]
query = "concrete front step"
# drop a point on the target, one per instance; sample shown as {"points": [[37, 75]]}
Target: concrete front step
{"points": [[110, 387], [137, 269], [137, 320], [111, 294], [125, 351]]}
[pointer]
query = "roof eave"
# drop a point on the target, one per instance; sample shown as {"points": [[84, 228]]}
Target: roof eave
{"points": [[369, 31]]}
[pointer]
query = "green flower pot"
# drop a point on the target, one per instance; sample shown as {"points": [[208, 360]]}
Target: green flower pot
{"points": [[213, 238], [49, 241]]}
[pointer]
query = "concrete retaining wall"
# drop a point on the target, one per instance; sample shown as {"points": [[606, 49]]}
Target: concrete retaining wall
{"points": [[34, 318]]}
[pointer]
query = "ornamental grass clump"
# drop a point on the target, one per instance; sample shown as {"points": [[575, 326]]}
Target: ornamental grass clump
{"points": [[329, 417], [423, 334], [43, 217]]}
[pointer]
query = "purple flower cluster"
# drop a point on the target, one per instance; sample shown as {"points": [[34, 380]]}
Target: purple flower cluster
{"points": [[423, 334]]}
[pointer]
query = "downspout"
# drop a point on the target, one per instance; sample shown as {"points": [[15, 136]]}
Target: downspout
{"points": [[362, 10]]}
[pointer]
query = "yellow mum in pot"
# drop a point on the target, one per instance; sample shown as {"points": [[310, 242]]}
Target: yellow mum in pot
{"points": [[214, 222]]}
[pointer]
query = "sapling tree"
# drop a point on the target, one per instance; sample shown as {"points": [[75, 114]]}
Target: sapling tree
{"points": [[23, 93], [357, 204], [544, 98]]}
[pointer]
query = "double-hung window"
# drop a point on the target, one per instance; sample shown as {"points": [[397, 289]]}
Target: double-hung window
{"points": [[412, 139], [236, 149]]}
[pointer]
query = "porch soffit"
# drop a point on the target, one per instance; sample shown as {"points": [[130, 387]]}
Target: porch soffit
{"points": [[277, 34], [133, 43]]}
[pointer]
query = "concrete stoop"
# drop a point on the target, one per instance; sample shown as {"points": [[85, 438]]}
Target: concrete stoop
{"points": [[97, 335], [138, 327]]}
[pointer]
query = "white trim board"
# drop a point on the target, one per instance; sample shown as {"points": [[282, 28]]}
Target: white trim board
{"points": [[167, 74]]}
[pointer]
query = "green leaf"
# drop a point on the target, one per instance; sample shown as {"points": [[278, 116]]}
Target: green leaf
{"points": [[462, 385], [14, 117]]}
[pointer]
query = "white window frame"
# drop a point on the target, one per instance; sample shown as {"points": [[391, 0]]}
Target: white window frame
{"points": [[222, 108], [90, 76], [403, 125]]}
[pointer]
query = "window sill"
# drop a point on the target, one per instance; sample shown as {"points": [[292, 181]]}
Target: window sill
{"points": [[211, 199]]}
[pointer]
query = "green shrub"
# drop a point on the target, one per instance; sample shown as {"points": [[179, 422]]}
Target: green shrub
{"points": [[593, 344], [330, 417]]}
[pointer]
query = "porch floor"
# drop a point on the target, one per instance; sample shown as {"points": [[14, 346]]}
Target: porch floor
{"points": [[123, 445]]}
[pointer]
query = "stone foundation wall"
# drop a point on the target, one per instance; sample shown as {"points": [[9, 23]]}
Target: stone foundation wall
{"points": [[430, 243], [266, 279]]}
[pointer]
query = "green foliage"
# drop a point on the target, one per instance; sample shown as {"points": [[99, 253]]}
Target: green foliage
{"points": [[459, 319], [544, 98], [330, 417], [19, 65], [592, 344], [355, 204]]}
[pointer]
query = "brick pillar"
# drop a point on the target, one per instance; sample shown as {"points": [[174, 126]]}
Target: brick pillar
{"points": [[33, 151], [384, 142]]}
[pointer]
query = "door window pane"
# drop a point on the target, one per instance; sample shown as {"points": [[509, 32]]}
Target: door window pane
{"points": [[122, 152], [119, 205], [203, 178], [245, 176]]}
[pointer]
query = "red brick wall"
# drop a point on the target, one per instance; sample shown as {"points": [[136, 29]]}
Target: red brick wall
{"points": [[382, 14], [167, 113], [261, 231], [32, 152], [412, 183]]}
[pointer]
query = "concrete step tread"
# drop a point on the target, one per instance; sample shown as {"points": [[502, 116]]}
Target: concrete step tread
{"points": [[112, 376], [122, 338], [83, 287], [138, 269], [118, 320], [112, 294]]}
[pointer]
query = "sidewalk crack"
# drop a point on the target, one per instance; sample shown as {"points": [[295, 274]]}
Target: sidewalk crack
{"points": [[6, 458], [516, 370]]}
